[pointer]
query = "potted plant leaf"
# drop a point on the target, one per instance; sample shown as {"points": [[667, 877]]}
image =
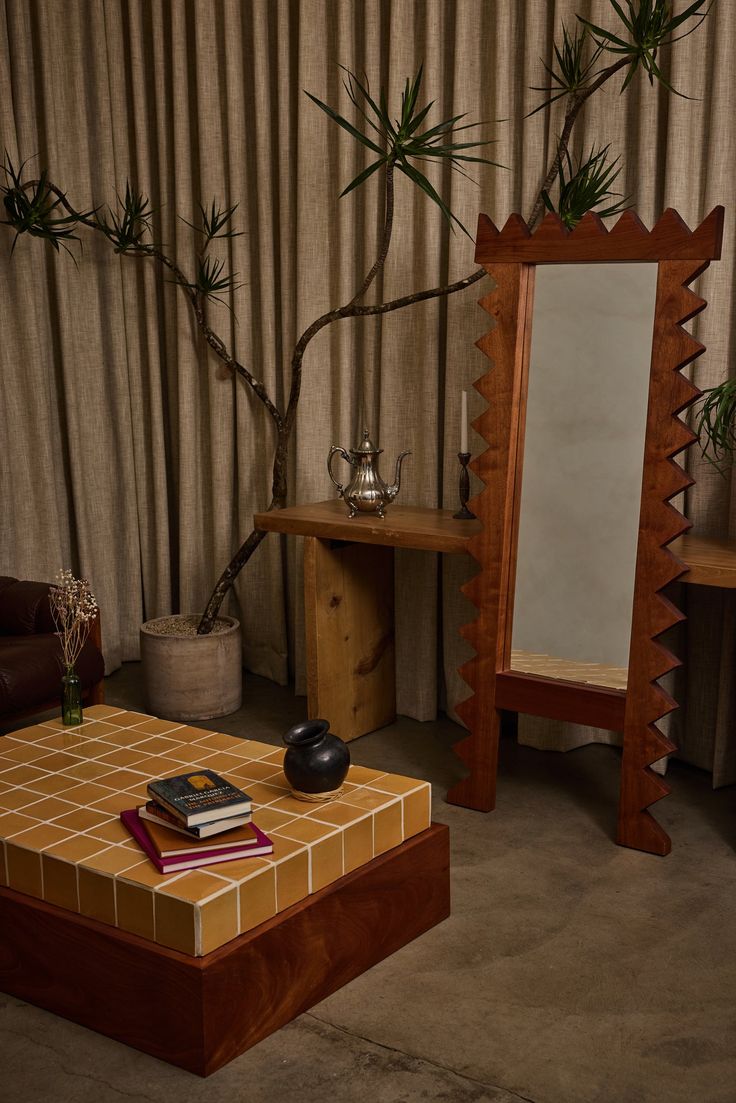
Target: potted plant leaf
{"points": [[716, 424]]}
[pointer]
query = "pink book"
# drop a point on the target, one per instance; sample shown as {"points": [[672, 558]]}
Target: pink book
{"points": [[208, 857]]}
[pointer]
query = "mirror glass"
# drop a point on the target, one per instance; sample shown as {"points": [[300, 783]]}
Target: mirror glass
{"points": [[582, 470]]}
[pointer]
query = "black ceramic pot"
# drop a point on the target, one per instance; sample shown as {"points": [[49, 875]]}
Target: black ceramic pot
{"points": [[315, 760]]}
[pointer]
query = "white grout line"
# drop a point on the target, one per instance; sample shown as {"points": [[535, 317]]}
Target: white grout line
{"points": [[197, 932]]}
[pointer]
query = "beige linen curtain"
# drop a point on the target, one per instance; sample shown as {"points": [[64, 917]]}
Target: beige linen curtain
{"points": [[127, 455]]}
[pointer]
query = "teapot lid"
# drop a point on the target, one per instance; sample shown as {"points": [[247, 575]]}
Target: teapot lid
{"points": [[366, 446]]}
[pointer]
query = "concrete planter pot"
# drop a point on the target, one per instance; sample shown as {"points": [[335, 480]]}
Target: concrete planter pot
{"points": [[189, 677]]}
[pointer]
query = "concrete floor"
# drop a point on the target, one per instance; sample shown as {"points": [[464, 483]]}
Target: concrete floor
{"points": [[571, 971]]}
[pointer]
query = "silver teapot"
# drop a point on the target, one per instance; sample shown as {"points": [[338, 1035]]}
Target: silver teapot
{"points": [[366, 492]]}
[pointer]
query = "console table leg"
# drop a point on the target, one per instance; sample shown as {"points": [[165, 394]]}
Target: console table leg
{"points": [[349, 614]]}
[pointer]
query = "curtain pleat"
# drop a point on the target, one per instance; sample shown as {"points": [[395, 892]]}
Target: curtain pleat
{"points": [[131, 456]]}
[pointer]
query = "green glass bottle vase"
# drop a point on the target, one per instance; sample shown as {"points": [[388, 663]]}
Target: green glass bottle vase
{"points": [[71, 698]]}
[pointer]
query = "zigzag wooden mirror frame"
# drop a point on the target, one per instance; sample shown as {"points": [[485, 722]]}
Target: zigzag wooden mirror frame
{"points": [[510, 257]]}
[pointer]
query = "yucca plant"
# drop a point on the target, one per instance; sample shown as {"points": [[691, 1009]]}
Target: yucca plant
{"points": [[650, 25], [585, 186], [31, 209], [716, 424], [574, 69], [641, 32], [399, 141]]}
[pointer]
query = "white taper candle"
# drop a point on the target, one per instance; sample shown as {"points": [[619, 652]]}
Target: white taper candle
{"points": [[464, 423]]}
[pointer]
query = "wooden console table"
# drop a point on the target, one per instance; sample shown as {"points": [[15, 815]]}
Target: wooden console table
{"points": [[349, 601], [349, 597]]}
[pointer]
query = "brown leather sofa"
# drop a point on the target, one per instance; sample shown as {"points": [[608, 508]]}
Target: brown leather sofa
{"points": [[31, 663]]}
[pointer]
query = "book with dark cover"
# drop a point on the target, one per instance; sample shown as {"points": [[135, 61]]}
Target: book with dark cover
{"points": [[200, 796], [156, 813], [130, 819], [172, 844]]}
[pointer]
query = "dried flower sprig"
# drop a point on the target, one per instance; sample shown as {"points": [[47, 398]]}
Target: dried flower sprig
{"points": [[73, 608]]}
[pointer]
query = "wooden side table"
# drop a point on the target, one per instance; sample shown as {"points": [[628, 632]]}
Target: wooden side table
{"points": [[349, 597], [349, 601]]}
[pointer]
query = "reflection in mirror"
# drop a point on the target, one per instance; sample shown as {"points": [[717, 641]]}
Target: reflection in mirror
{"points": [[582, 470]]}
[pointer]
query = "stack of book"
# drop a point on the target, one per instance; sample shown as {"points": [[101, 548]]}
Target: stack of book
{"points": [[195, 819]]}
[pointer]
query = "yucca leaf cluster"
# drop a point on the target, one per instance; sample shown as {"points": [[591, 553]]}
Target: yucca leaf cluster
{"points": [[585, 185], [716, 424], [32, 207], [128, 227], [399, 140], [573, 67], [648, 26]]}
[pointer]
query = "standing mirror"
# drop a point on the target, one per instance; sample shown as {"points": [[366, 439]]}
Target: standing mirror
{"points": [[584, 390]]}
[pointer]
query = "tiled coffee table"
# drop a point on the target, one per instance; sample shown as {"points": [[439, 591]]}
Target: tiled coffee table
{"points": [[195, 967]]}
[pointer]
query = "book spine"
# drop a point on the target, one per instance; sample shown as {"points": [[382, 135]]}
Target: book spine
{"points": [[170, 865], [210, 815]]}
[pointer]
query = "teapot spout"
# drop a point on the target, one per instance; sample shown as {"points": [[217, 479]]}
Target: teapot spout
{"points": [[394, 490]]}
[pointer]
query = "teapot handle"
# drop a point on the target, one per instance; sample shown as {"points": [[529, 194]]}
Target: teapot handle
{"points": [[336, 448]]}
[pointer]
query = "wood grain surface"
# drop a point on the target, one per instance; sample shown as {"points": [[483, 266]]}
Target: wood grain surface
{"points": [[115, 983], [494, 547], [659, 523], [403, 527], [200, 1013], [591, 240], [316, 948], [710, 561], [576, 702], [349, 625]]}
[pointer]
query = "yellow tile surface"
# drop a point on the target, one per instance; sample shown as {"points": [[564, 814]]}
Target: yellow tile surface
{"points": [[194, 885], [14, 799], [327, 861], [358, 844], [255, 771], [24, 870], [175, 923], [87, 771], [269, 820], [23, 752], [218, 921], [41, 836], [112, 831], [96, 896], [339, 813], [51, 784], [387, 828], [292, 880], [258, 899], [361, 775], [153, 726], [49, 808], [215, 741], [76, 848], [305, 831], [60, 883], [61, 792], [134, 906], [13, 774], [12, 823], [29, 735], [417, 812]]}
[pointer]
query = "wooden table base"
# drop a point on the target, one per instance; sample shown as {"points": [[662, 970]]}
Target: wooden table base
{"points": [[349, 622], [200, 1013]]}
